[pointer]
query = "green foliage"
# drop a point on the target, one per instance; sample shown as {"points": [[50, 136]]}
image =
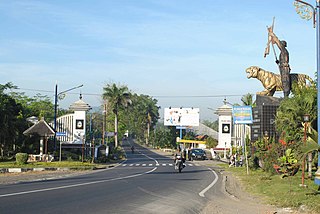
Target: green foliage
{"points": [[11, 121], [117, 97], [163, 137], [190, 136], [211, 142], [288, 163], [289, 118], [247, 100], [290, 122], [21, 158], [117, 153], [140, 118], [266, 154], [277, 191]]}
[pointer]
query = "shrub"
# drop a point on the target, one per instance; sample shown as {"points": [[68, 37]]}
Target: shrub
{"points": [[21, 158]]}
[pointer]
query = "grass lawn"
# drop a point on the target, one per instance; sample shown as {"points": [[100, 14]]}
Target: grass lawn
{"points": [[282, 192]]}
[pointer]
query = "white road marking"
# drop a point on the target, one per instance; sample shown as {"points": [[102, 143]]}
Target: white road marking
{"points": [[150, 164], [210, 185], [151, 158], [76, 185]]}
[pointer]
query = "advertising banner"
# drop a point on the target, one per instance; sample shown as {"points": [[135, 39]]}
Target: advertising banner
{"points": [[181, 116]]}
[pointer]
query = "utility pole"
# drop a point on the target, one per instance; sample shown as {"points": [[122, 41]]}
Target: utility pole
{"points": [[307, 11], [104, 122]]}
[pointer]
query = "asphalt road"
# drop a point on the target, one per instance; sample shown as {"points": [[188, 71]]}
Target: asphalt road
{"points": [[145, 183]]}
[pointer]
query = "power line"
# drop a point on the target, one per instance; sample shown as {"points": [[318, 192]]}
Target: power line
{"points": [[157, 96], [197, 96], [46, 91]]}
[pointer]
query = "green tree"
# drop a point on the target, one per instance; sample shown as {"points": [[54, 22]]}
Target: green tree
{"points": [[211, 142], [247, 100], [10, 118], [118, 96], [141, 116], [290, 122], [289, 118], [163, 137]]}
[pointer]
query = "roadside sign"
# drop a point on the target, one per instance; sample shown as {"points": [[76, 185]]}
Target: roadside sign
{"points": [[242, 114], [61, 134]]}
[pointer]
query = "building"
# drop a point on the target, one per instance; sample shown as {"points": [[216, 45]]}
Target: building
{"points": [[71, 128]]}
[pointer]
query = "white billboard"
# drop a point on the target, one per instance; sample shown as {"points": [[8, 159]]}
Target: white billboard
{"points": [[181, 116]]}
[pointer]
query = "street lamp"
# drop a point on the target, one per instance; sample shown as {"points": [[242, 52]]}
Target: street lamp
{"points": [[55, 110], [307, 11], [306, 118]]}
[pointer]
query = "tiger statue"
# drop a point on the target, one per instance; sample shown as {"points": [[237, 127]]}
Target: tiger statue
{"points": [[272, 82]]}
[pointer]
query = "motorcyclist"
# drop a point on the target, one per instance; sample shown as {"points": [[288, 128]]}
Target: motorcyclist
{"points": [[182, 154]]}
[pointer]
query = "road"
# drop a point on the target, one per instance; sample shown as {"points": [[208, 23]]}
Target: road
{"points": [[145, 183]]}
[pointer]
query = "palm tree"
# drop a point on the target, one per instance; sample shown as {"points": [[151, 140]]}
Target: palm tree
{"points": [[118, 96], [247, 100]]}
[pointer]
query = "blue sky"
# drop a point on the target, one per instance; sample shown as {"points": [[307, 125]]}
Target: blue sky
{"points": [[156, 47]]}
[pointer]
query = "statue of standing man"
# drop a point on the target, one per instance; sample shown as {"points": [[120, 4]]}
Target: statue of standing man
{"points": [[283, 61]]}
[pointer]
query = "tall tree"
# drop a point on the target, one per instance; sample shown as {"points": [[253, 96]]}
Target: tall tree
{"points": [[10, 115], [143, 116], [117, 96]]}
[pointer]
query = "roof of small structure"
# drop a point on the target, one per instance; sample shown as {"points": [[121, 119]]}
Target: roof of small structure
{"points": [[224, 110], [41, 128], [80, 105]]}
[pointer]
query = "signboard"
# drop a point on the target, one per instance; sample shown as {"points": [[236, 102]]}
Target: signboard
{"points": [[242, 114], [181, 116], [61, 134]]}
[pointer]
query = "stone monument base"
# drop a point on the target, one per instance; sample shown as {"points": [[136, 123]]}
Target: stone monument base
{"points": [[264, 115], [267, 100]]}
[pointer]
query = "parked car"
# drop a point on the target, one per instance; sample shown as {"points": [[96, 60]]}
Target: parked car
{"points": [[198, 154]]}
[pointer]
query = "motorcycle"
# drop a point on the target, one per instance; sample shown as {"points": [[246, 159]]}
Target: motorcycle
{"points": [[178, 163]]}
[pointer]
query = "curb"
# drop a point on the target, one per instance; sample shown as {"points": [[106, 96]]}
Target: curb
{"points": [[39, 169]]}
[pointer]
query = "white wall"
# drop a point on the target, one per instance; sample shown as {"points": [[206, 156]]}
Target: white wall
{"points": [[225, 123]]}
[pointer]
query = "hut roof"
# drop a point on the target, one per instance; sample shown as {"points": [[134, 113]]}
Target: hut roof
{"points": [[41, 128]]}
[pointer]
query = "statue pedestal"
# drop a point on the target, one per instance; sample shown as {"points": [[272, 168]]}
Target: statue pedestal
{"points": [[264, 117], [267, 100]]}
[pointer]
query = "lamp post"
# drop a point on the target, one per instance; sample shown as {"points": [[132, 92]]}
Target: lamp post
{"points": [[305, 120], [55, 110], [307, 11]]}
